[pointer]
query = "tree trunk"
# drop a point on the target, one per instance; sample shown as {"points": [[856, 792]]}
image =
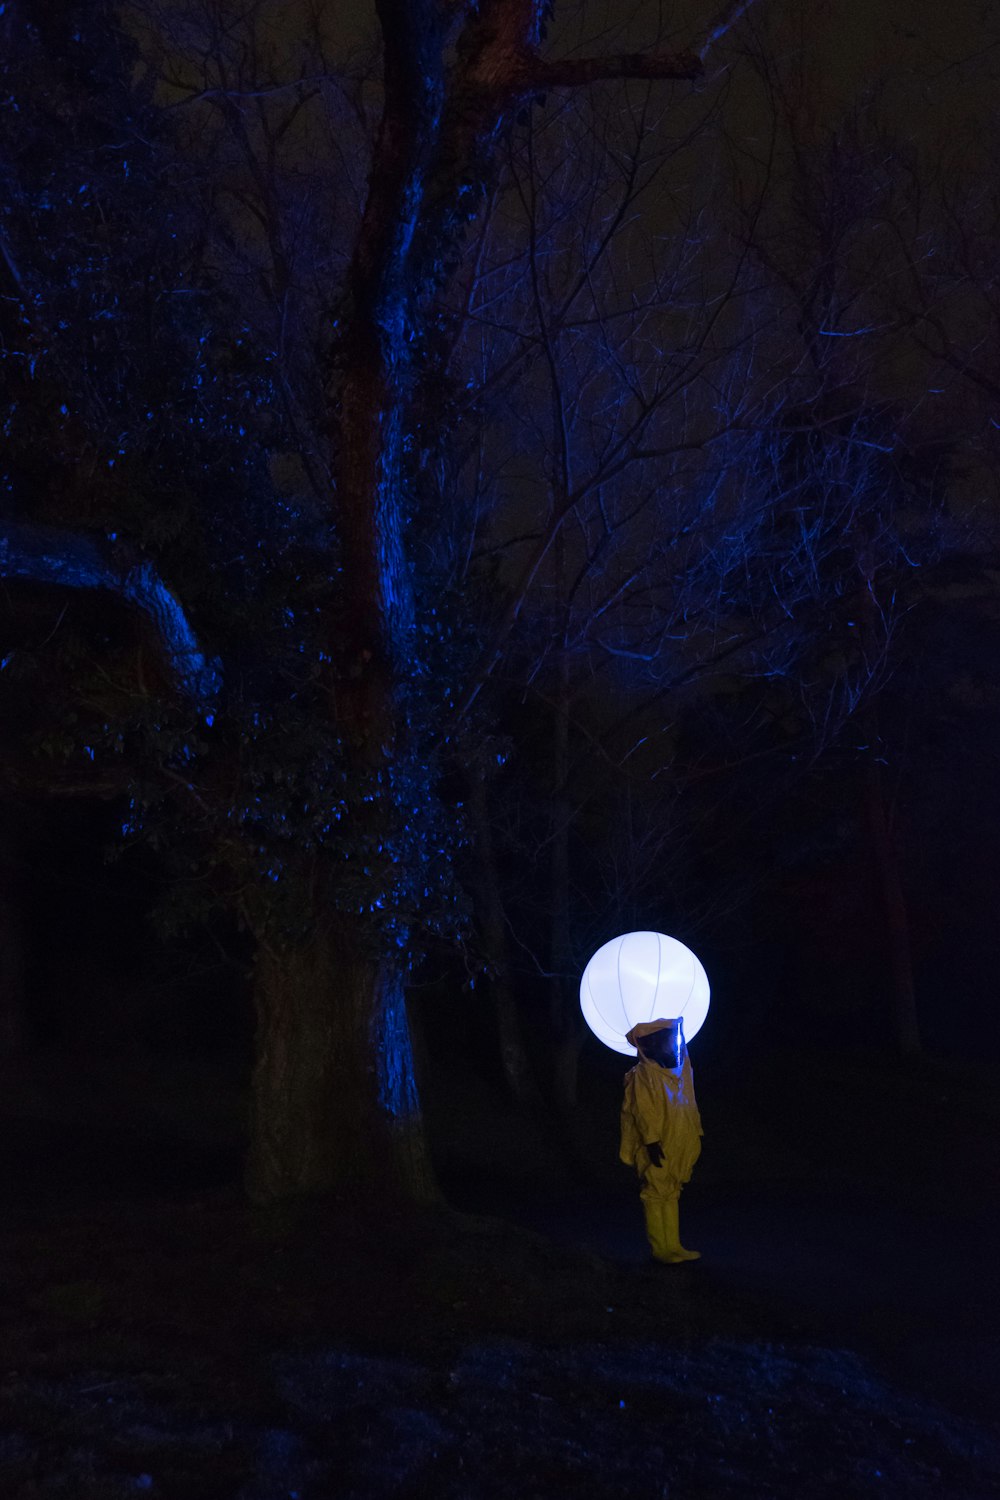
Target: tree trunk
{"points": [[566, 1023], [334, 1100], [907, 1024], [510, 1033]]}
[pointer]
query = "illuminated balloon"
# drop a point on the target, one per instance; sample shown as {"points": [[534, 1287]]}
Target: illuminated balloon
{"points": [[640, 977]]}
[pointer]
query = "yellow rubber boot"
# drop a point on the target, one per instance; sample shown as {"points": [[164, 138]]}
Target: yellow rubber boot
{"points": [[675, 1251], [655, 1232]]}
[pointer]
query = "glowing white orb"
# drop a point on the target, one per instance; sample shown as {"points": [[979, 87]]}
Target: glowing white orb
{"points": [[639, 977]]}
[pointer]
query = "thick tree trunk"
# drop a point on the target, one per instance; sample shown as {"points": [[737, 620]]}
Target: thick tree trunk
{"points": [[335, 1099], [904, 998], [338, 1052], [334, 1102]]}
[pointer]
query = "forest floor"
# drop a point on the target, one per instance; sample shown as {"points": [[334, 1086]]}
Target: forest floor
{"points": [[840, 1336]]}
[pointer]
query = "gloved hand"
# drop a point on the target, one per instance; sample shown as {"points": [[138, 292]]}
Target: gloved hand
{"points": [[655, 1151]]}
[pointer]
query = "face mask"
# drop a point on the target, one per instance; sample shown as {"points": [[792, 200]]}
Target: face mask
{"points": [[666, 1048]]}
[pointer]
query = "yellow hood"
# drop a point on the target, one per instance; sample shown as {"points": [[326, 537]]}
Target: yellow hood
{"points": [[646, 1028]]}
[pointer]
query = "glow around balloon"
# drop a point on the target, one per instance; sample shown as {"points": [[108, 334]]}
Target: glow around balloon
{"points": [[638, 977]]}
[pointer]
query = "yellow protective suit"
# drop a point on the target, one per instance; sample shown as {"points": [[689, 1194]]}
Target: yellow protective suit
{"points": [[660, 1105]]}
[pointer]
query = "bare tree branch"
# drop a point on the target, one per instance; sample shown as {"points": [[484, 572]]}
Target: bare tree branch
{"points": [[574, 72], [536, 72], [46, 554], [723, 23]]}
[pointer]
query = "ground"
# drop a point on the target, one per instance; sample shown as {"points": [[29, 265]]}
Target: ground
{"points": [[838, 1338]]}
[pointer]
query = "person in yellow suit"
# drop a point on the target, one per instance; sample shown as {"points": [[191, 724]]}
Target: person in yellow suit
{"points": [[661, 1131]]}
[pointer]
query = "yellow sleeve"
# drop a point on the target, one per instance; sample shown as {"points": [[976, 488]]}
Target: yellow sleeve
{"points": [[630, 1137]]}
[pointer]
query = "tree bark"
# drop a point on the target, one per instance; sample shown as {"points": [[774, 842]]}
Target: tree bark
{"points": [[334, 1102]]}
